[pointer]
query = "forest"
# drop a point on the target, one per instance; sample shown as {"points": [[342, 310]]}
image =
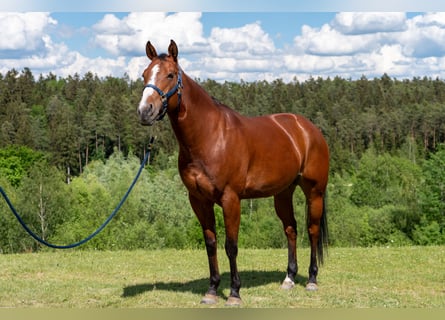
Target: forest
{"points": [[70, 147]]}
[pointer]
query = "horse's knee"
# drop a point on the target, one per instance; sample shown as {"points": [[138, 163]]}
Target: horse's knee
{"points": [[210, 242], [291, 232]]}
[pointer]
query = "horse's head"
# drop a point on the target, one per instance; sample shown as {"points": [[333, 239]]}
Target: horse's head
{"points": [[162, 84]]}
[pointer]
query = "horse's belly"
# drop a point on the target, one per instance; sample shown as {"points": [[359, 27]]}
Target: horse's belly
{"points": [[267, 184]]}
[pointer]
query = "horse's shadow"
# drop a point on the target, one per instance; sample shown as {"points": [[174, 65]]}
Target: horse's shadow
{"points": [[249, 279]]}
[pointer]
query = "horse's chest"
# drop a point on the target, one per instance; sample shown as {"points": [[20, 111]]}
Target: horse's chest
{"points": [[199, 183]]}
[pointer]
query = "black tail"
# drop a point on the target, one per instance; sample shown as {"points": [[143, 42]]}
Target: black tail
{"points": [[323, 239]]}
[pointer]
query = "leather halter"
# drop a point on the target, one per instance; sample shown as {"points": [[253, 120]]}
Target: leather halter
{"points": [[165, 96]]}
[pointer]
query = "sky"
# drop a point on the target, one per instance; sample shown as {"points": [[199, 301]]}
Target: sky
{"points": [[227, 43]]}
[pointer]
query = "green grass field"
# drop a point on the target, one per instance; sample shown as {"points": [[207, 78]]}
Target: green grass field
{"points": [[406, 277]]}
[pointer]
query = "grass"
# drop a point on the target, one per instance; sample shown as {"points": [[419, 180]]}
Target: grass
{"points": [[406, 277]]}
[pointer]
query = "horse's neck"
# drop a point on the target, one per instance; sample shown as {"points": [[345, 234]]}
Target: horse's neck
{"points": [[196, 99], [196, 114]]}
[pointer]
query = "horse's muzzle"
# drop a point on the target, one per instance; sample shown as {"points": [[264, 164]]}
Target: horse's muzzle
{"points": [[147, 115]]}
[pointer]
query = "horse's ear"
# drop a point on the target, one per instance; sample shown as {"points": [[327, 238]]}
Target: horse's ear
{"points": [[173, 50], [150, 51]]}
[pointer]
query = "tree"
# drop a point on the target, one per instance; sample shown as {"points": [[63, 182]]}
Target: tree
{"points": [[16, 161], [432, 199], [43, 200], [62, 135], [385, 179]]}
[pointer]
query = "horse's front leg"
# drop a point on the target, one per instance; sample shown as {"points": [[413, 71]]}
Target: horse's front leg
{"points": [[206, 216], [232, 217]]}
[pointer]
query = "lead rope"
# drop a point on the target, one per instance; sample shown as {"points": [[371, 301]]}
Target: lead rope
{"points": [[92, 235]]}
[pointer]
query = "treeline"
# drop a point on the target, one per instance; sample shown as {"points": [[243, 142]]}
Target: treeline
{"points": [[68, 147], [78, 119]]}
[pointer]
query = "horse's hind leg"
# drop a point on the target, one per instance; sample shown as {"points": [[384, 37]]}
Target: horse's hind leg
{"points": [[316, 230], [285, 211]]}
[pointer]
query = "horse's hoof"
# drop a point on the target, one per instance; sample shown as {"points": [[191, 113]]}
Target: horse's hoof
{"points": [[311, 286], [233, 302], [287, 284], [209, 299]]}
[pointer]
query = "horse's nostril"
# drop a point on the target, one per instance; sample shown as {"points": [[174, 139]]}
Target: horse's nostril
{"points": [[146, 110]]}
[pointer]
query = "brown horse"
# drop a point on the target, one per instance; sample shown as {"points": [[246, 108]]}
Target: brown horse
{"points": [[225, 157]]}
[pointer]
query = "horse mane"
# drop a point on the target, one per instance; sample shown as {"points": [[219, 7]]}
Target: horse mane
{"points": [[223, 106], [215, 100]]}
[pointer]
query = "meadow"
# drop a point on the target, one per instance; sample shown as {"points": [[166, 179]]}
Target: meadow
{"points": [[378, 277]]}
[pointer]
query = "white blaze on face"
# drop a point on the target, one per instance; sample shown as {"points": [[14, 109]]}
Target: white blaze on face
{"points": [[148, 91]]}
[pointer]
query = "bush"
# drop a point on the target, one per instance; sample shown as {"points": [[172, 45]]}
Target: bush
{"points": [[383, 230], [428, 233], [157, 214], [432, 197], [263, 228], [16, 161], [385, 180]]}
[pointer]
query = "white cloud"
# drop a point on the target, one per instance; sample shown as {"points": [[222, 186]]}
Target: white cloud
{"points": [[136, 66], [389, 59], [351, 45], [241, 42], [329, 42], [430, 19], [26, 42], [23, 32], [59, 60], [244, 53], [111, 25], [127, 36], [228, 53], [425, 36], [49, 56], [369, 22], [371, 44], [308, 63], [101, 66]]}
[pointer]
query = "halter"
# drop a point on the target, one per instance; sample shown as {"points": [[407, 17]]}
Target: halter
{"points": [[166, 96]]}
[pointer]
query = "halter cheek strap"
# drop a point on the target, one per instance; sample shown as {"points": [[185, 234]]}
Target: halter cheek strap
{"points": [[165, 96]]}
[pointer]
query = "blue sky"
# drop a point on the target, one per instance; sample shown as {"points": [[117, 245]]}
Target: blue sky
{"points": [[234, 41], [282, 26]]}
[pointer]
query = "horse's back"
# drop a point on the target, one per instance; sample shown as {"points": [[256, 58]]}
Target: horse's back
{"points": [[294, 132]]}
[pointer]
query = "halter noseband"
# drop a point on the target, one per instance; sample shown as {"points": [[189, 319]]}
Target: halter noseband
{"points": [[166, 96]]}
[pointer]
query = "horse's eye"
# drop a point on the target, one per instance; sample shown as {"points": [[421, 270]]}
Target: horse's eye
{"points": [[170, 76]]}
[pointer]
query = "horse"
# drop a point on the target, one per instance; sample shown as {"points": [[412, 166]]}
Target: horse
{"points": [[225, 157]]}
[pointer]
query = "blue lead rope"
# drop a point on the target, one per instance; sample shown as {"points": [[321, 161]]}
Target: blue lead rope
{"points": [[91, 236]]}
